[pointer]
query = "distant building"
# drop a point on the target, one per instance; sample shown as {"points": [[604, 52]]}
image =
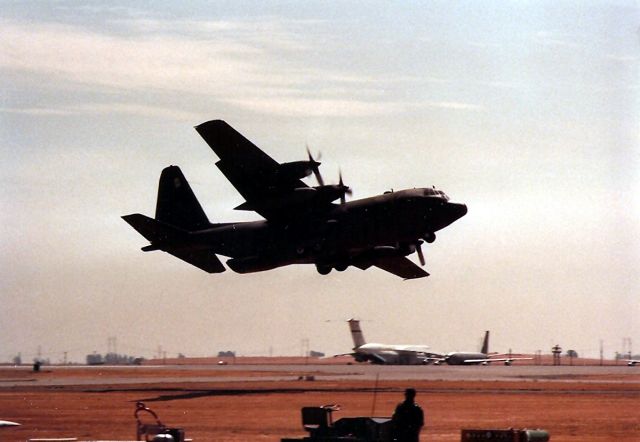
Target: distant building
{"points": [[95, 359]]}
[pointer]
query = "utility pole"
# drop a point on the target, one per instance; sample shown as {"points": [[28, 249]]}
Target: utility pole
{"points": [[601, 353]]}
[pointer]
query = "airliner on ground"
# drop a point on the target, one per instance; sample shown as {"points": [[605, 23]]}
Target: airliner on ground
{"points": [[475, 358], [385, 353]]}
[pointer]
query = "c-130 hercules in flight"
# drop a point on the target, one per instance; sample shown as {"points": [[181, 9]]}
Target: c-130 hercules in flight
{"points": [[302, 224]]}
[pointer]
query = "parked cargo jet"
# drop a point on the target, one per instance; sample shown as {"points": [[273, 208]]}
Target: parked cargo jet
{"points": [[391, 354], [302, 224], [475, 358]]}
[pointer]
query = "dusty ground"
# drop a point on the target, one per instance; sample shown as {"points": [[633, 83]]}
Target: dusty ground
{"points": [[590, 409]]}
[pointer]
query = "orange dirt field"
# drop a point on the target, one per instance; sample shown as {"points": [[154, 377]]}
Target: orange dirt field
{"points": [[596, 409]]}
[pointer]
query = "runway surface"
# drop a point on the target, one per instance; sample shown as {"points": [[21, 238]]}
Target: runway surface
{"points": [[118, 375]]}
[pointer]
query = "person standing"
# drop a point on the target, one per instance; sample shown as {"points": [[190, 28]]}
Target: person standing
{"points": [[408, 418]]}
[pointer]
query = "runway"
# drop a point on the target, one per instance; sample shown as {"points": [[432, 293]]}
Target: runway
{"points": [[167, 374]]}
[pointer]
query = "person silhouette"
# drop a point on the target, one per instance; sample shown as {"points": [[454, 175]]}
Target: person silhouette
{"points": [[408, 418]]}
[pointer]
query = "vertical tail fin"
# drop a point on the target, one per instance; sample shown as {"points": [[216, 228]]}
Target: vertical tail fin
{"points": [[356, 333], [177, 205], [485, 343]]}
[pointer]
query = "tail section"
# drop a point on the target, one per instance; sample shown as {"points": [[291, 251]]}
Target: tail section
{"points": [[177, 204], [485, 343], [178, 213], [159, 234], [173, 241], [356, 333]]}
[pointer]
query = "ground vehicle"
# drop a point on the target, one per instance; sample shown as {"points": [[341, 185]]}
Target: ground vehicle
{"points": [[318, 421]]}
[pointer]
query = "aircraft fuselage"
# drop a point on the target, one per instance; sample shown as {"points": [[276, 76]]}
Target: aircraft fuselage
{"points": [[459, 358], [391, 223]]}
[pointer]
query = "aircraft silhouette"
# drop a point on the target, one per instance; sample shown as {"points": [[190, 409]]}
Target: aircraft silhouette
{"points": [[302, 224]]}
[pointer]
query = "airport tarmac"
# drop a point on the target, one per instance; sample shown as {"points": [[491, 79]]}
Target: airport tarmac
{"points": [[238, 403]]}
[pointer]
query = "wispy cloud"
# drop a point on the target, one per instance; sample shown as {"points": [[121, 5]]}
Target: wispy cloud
{"points": [[104, 108], [260, 65], [558, 39], [300, 106], [455, 105], [159, 62]]}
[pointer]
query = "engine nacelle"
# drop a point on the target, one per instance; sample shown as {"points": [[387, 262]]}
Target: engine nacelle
{"points": [[296, 170]]}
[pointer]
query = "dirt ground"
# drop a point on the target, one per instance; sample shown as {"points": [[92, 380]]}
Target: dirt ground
{"points": [[581, 410]]}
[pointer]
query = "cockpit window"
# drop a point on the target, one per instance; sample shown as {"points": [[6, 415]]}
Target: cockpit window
{"points": [[435, 192]]}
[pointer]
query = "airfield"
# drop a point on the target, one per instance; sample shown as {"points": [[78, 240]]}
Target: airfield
{"points": [[260, 399]]}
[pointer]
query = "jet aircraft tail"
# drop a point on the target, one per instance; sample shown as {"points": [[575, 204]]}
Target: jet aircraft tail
{"points": [[177, 205], [485, 343], [356, 333]]}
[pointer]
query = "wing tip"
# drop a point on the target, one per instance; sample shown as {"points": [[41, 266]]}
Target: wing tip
{"points": [[201, 126]]}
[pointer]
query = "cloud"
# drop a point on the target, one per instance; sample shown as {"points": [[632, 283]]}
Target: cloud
{"points": [[455, 105], [166, 63], [34, 111], [298, 106], [106, 108], [258, 65], [558, 40]]}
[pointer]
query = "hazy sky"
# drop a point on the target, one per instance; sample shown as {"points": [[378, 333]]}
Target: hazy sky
{"points": [[528, 112]]}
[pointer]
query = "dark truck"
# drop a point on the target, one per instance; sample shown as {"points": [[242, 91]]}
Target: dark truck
{"points": [[319, 423]]}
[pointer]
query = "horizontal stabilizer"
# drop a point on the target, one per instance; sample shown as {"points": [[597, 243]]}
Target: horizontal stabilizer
{"points": [[173, 241], [156, 232]]}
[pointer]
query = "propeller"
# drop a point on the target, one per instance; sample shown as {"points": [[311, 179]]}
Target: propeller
{"points": [[315, 166], [345, 190], [420, 254]]}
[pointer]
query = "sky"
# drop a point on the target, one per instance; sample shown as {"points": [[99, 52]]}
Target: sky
{"points": [[528, 112]]}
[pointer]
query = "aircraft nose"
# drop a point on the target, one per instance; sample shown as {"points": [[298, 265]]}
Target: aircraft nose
{"points": [[458, 210]]}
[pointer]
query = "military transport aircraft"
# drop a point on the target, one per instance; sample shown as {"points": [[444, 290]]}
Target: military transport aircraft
{"points": [[388, 354], [302, 224], [475, 358]]}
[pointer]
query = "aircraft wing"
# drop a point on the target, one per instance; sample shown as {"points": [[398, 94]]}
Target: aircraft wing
{"points": [[398, 265], [507, 361], [411, 348], [256, 176]]}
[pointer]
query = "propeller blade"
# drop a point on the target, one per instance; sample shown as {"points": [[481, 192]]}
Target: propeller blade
{"points": [[315, 167], [420, 254], [345, 190]]}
